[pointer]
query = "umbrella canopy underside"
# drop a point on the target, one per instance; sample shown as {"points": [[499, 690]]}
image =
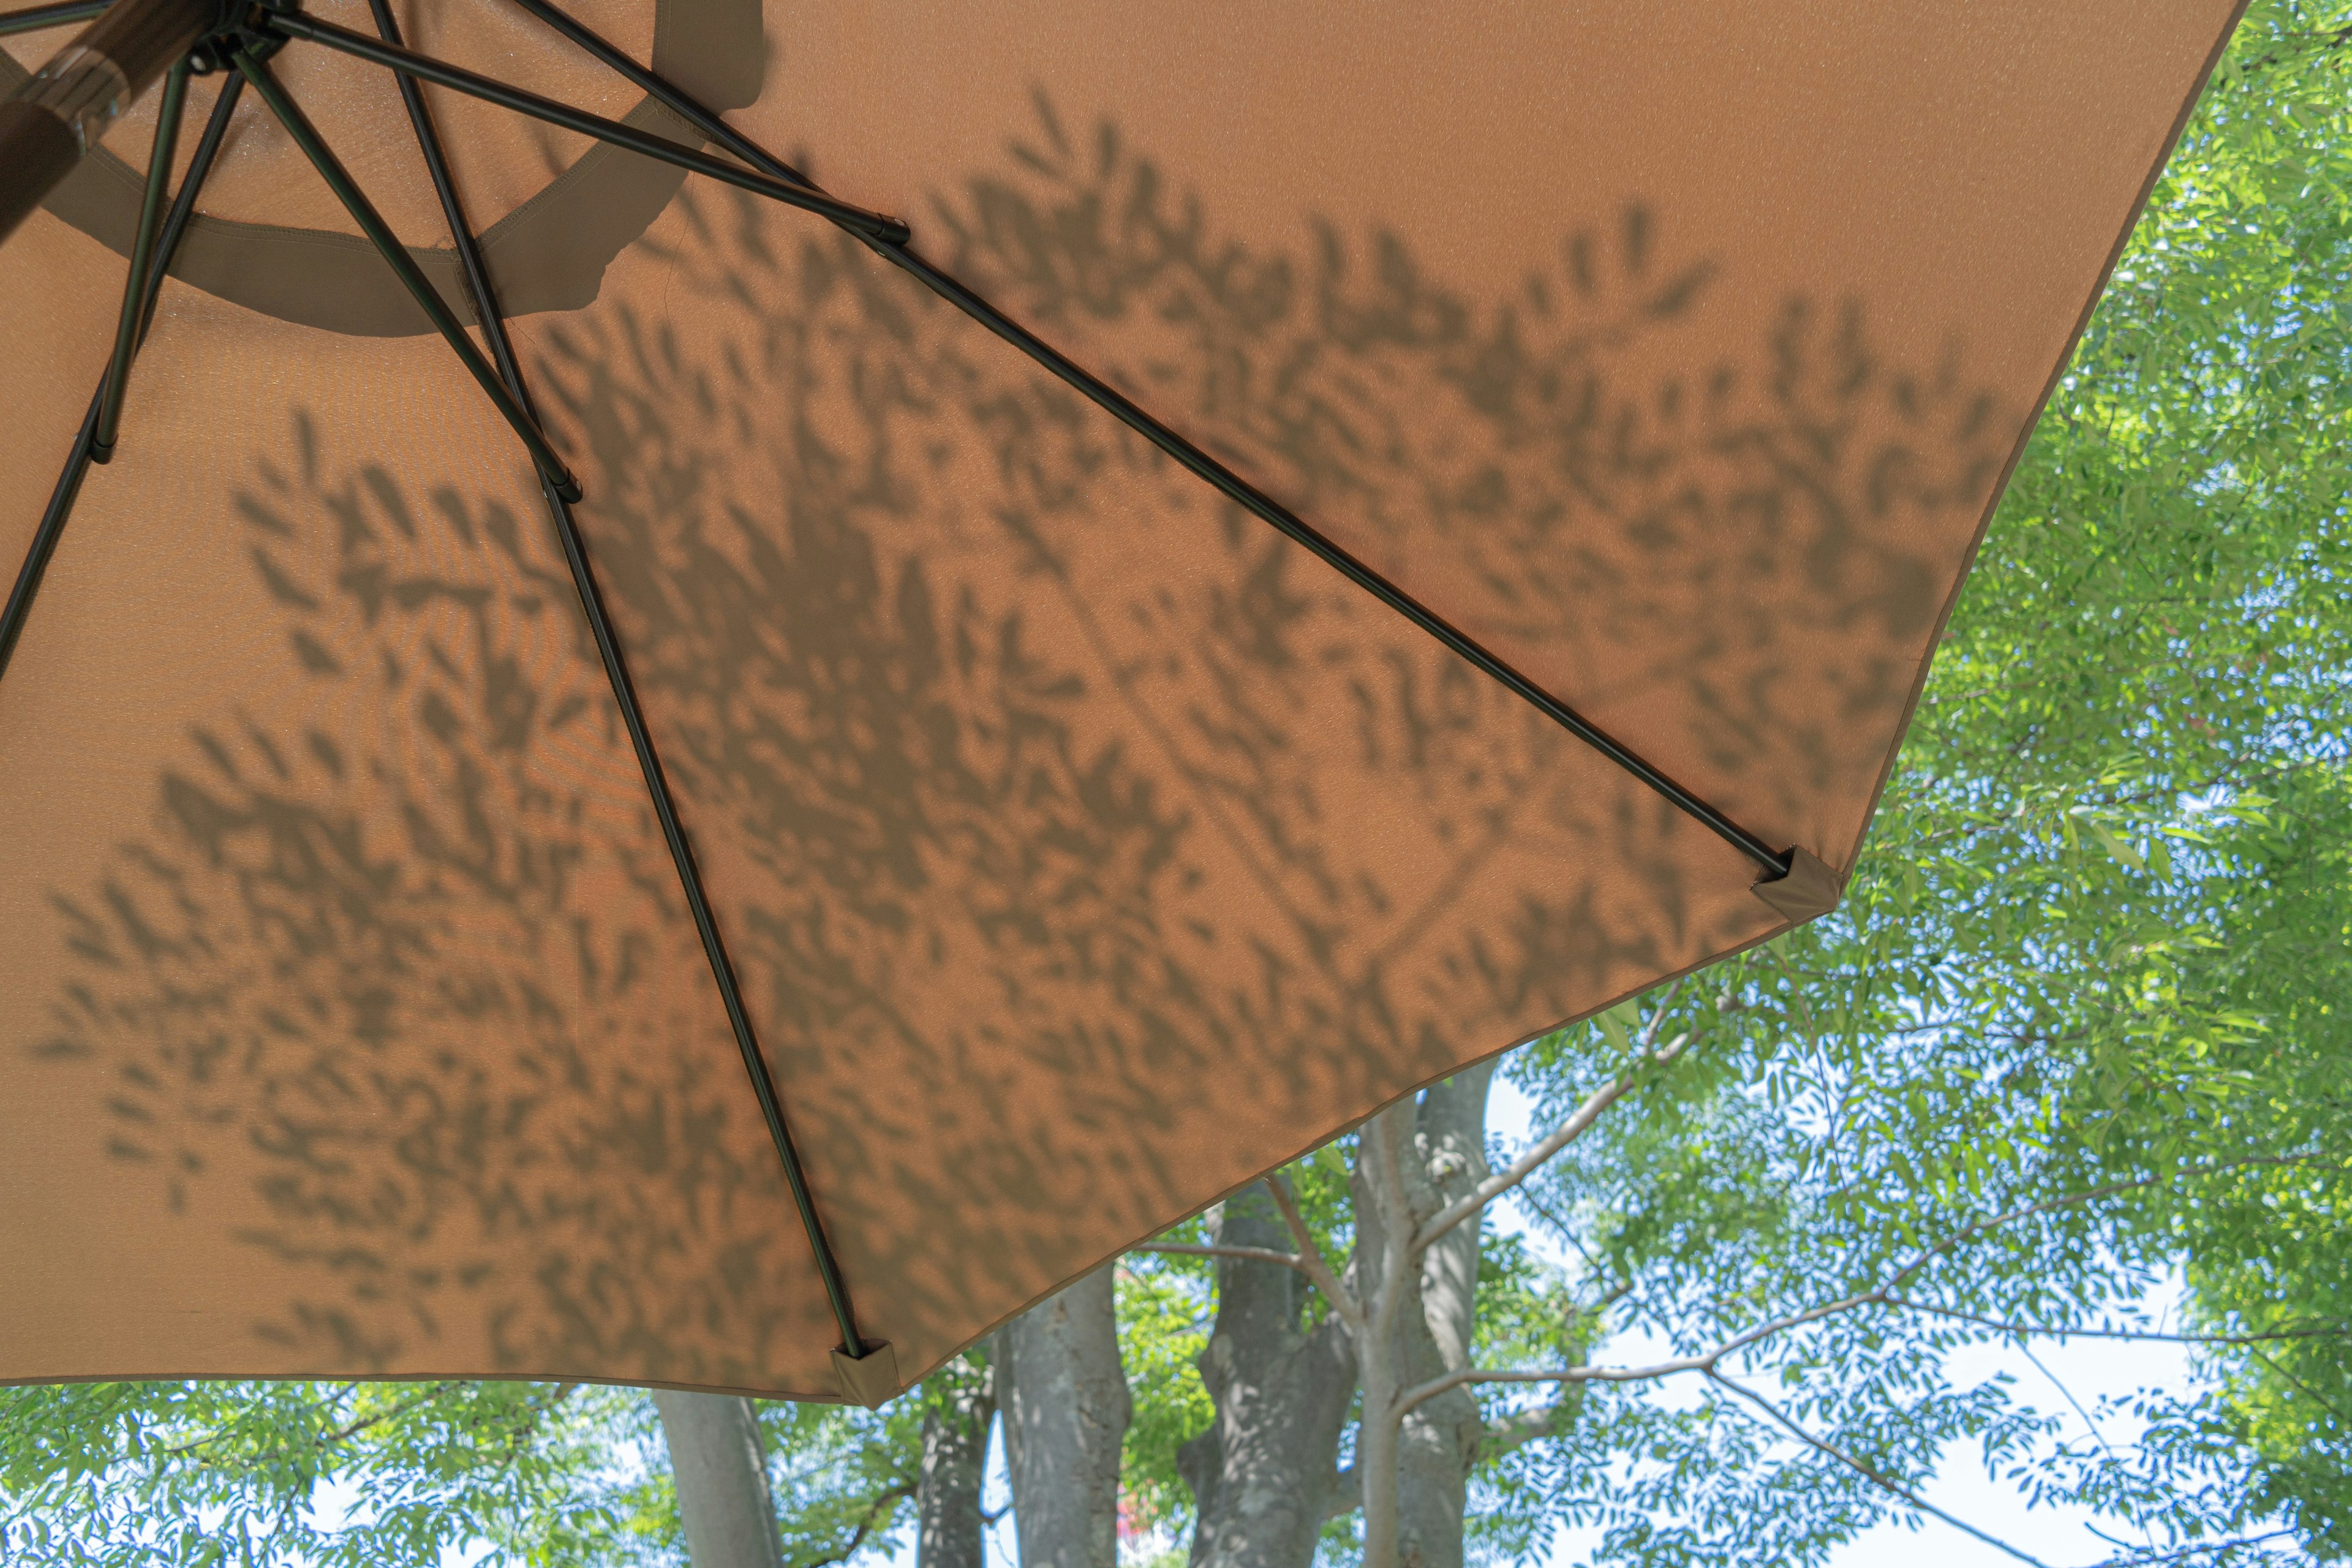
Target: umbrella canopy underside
{"points": [[1085, 848]]}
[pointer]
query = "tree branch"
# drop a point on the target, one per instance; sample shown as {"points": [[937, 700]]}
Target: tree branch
{"points": [[1311, 1259], [1567, 1132], [1867, 1471], [1707, 1362], [1703, 1363], [1253, 1254], [883, 1503], [2062, 1332], [2142, 1560]]}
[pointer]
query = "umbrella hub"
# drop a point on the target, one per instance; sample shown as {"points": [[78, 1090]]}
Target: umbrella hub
{"points": [[244, 28]]}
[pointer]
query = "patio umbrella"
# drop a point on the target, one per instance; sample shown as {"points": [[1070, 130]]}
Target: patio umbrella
{"points": [[617, 765]]}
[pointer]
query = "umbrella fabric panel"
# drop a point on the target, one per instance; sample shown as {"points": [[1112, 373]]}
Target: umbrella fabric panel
{"points": [[552, 208], [1329, 243], [352, 1019], [1084, 849]]}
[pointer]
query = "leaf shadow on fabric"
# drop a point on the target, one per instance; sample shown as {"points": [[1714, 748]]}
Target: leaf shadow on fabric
{"points": [[1084, 847]]}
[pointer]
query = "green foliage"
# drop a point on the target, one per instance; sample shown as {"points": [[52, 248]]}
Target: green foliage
{"points": [[390, 1475], [2264, 1243], [229, 1473], [2098, 946], [1166, 1308]]}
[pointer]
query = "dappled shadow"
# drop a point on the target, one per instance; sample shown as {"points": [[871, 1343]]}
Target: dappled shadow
{"points": [[399, 969], [1084, 847]]}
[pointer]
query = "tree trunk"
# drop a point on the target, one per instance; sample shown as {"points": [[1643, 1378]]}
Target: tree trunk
{"points": [[955, 1465], [1438, 1442], [1066, 1408], [1263, 1478], [1388, 1171], [722, 1479]]}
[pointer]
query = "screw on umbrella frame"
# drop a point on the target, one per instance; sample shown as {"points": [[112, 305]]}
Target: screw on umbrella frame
{"points": [[245, 33]]}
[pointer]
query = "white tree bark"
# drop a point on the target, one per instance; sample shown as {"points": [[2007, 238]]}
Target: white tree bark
{"points": [[1417, 1307], [1439, 1440], [1064, 1399], [722, 1479], [1409, 1302], [1387, 1177]]}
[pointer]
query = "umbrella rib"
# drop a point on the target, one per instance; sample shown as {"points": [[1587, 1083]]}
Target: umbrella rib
{"points": [[77, 458], [624, 692], [127, 329], [39, 17], [1774, 863], [879, 228], [290, 114]]}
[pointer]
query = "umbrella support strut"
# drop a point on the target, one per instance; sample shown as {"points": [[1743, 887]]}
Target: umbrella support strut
{"points": [[1774, 863], [77, 458], [616, 670], [270, 21], [879, 228], [551, 463], [768, 176], [39, 17], [142, 258]]}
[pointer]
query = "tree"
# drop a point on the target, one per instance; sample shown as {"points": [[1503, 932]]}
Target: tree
{"points": [[960, 1409], [720, 1472], [1066, 1409]]}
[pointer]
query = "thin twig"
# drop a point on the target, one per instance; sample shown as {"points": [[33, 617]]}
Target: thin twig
{"points": [[2309, 1392], [883, 1502], [1311, 1258], [2096, 1437], [2141, 1560], [1867, 1471], [1526, 1164], [2063, 1331], [1704, 1362], [1253, 1254]]}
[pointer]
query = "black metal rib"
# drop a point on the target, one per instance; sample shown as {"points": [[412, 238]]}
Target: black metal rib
{"points": [[1773, 862], [306, 136], [39, 17], [625, 692], [877, 226], [143, 250], [68, 486]]}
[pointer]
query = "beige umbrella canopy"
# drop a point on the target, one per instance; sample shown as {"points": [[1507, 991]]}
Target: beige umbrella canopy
{"points": [[1557, 437]]}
